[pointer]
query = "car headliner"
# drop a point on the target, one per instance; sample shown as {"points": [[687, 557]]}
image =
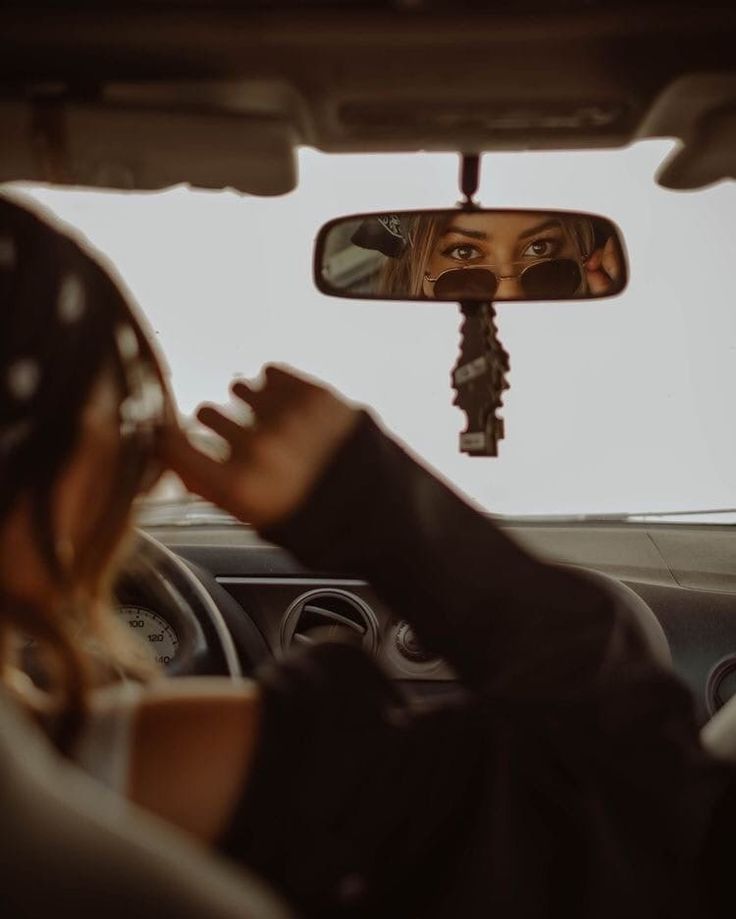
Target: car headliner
{"points": [[146, 95]]}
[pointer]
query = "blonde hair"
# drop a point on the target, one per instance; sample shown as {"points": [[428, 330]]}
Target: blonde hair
{"points": [[79, 643], [406, 273]]}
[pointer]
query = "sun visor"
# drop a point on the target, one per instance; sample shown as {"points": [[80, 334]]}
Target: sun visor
{"points": [[101, 146], [699, 110]]}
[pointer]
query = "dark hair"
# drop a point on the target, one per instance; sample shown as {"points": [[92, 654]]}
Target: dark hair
{"points": [[64, 323]]}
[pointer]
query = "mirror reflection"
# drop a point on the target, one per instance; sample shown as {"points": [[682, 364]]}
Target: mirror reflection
{"points": [[476, 255]]}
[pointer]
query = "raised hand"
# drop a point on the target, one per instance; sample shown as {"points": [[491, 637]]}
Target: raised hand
{"points": [[272, 464], [603, 268]]}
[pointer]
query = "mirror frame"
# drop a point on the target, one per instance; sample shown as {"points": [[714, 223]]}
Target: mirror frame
{"points": [[328, 290]]}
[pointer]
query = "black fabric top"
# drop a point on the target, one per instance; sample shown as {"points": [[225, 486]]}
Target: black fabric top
{"points": [[568, 782]]}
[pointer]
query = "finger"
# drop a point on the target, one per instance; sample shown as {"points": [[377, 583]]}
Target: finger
{"points": [[286, 378], [610, 260], [243, 390], [598, 282], [200, 473], [255, 397], [267, 402], [594, 260], [212, 418], [281, 376], [170, 441]]}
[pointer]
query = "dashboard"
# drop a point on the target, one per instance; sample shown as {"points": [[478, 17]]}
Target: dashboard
{"points": [[255, 601], [151, 627]]}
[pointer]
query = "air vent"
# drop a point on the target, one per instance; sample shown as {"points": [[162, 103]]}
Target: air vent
{"points": [[721, 684], [335, 610]]}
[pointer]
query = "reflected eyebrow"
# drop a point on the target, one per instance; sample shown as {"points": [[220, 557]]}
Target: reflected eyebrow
{"points": [[461, 231], [545, 225], [479, 234]]}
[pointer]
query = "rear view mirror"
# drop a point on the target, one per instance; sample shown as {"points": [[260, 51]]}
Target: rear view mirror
{"points": [[471, 255]]}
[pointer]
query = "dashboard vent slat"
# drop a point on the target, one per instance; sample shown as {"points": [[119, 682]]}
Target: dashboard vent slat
{"points": [[333, 616], [324, 612], [303, 639]]}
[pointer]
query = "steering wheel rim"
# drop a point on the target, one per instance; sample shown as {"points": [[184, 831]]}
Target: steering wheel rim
{"points": [[157, 578], [641, 614]]}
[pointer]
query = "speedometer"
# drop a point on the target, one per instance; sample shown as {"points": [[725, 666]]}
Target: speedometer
{"points": [[153, 629]]}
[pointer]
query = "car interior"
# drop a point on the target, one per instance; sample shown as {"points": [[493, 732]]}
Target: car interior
{"points": [[223, 94]]}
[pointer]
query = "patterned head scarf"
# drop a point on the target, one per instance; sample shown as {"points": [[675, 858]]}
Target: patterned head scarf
{"points": [[63, 320]]}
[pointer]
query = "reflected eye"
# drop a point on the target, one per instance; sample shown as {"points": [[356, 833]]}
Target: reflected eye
{"points": [[542, 248], [463, 253]]}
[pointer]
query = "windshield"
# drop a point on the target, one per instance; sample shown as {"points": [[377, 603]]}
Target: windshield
{"points": [[619, 406]]}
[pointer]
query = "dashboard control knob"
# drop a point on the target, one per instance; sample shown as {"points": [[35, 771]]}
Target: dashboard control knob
{"points": [[408, 644]]}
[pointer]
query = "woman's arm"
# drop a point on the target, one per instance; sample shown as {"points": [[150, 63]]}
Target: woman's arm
{"points": [[320, 478], [179, 748], [504, 620], [67, 850]]}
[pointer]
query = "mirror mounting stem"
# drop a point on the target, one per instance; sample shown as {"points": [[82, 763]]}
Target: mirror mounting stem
{"points": [[469, 179]]}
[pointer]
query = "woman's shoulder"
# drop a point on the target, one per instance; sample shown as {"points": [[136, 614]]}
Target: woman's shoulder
{"points": [[165, 712]]}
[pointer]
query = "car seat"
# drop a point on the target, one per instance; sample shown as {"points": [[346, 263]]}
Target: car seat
{"points": [[70, 847]]}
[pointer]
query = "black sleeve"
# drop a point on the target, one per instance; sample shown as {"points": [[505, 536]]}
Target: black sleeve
{"points": [[358, 807], [569, 781], [506, 622], [354, 806]]}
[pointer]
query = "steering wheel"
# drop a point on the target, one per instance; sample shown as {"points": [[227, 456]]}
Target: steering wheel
{"points": [[213, 634], [639, 611]]}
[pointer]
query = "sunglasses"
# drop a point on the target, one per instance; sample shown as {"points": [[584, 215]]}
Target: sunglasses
{"points": [[141, 466], [548, 279]]}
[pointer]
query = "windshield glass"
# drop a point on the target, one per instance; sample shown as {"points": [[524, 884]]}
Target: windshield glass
{"points": [[620, 406]]}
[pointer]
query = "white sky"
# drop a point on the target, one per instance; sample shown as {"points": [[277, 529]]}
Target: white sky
{"points": [[621, 405]]}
